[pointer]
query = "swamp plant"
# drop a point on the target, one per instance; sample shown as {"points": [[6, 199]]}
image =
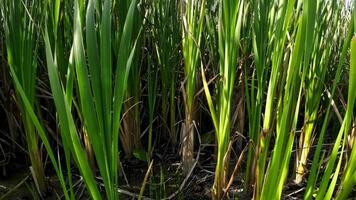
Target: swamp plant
{"points": [[125, 75]]}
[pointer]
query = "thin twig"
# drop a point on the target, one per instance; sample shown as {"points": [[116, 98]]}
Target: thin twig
{"points": [[145, 180], [123, 173], [125, 192], [237, 165], [15, 187], [295, 192]]}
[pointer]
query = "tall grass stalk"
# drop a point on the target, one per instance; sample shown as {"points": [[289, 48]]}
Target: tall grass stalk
{"points": [[282, 18], [328, 14], [167, 38], [193, 18], [230, 19], [348, 179], [100, 100], [21, 22], [329, 183], [262, 21], [26, 38], [314, 171], [41, 133], [288, 105], [131, 129], [56, 20]]}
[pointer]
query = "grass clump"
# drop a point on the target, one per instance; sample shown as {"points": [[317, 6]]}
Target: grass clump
{"points": [[163, 99]]}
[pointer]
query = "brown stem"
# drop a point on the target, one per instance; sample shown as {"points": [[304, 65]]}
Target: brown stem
{"points": [[187, 143]]}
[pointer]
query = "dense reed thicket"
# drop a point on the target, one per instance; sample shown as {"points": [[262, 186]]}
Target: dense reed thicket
{"points": [[178, 99]]}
